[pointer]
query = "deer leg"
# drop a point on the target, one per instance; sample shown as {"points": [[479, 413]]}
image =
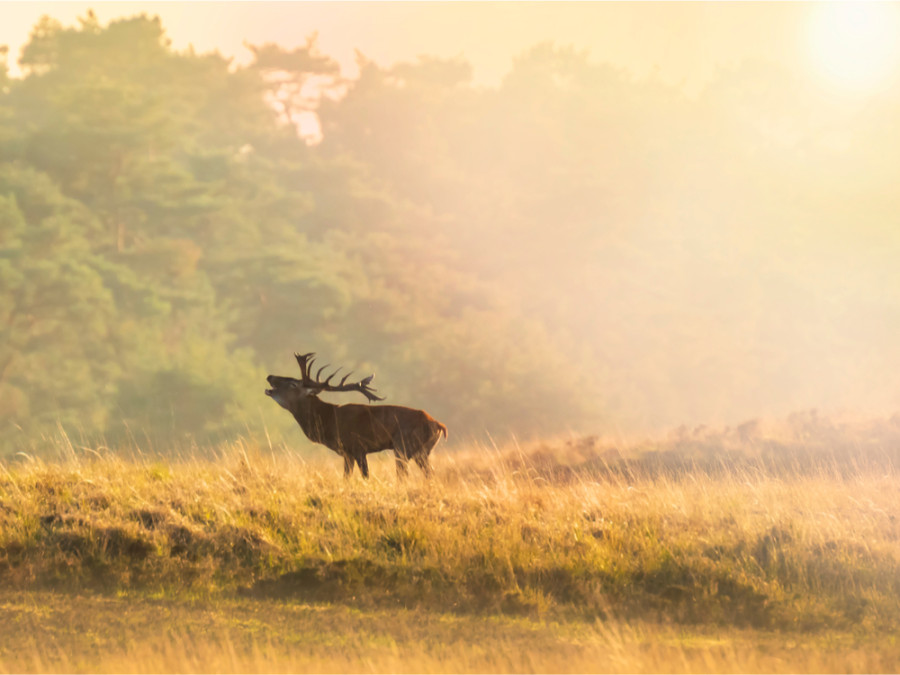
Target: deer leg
{"points": [[401, 456], [363, 465], [401, 463], [348, 467], [422, 461], [424, 451]]}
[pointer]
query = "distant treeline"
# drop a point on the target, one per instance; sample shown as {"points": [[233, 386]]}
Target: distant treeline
{"points": [[569, 250]]}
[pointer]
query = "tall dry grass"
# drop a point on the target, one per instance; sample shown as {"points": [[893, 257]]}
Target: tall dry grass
{"points": [[758, 548]]}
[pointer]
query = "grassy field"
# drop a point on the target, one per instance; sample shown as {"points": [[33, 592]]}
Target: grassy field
{"points": [[761, 548]]}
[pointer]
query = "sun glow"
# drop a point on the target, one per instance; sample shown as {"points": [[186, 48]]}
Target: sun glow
{"points": [[854, 45]]}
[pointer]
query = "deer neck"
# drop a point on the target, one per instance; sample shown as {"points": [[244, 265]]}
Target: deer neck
{"points": [[316, 418]]}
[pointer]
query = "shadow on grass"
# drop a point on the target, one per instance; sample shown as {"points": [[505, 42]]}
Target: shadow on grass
{"points": [[669, 592]]}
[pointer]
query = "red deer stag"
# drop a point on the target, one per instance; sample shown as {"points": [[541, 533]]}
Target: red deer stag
{"points": [[355, 430]]}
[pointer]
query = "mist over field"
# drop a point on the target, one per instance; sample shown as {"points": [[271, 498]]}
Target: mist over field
{"points": [[658, 317], [573, 249]]}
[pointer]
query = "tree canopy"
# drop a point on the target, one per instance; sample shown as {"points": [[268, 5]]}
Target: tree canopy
{"points": [[570, 250]]}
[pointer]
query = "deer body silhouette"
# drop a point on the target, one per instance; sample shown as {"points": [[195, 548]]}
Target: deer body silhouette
{"points": [[355, 430]]}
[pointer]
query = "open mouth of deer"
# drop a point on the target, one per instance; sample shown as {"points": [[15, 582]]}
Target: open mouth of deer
{"points": [[272, 380]]}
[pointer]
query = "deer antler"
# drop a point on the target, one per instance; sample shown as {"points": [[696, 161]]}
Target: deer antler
{"points": [[306, 360], [303, 361]]}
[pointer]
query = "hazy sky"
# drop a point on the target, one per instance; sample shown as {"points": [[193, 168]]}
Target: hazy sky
{"points": [[683, 42]]}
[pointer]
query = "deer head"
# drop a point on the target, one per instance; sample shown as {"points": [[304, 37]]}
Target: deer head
{"points": [[288, 391]]}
